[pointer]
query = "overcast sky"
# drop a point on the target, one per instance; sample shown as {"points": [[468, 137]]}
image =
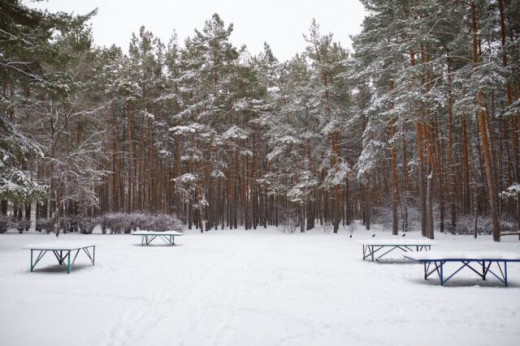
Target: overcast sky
{"points": [[280, 23]]}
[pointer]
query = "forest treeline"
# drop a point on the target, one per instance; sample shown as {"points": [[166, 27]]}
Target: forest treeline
{"points": [[417, 128]]}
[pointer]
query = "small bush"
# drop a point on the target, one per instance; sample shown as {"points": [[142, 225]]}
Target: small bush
{"points": [[4, 223], [87, 225], [120, 223], [115, 223], [69, 224], [22, 225], [43, 225], [7, 223]]}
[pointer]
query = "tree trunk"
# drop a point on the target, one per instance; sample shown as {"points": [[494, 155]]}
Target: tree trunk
{"points": [[483, 132], [451, 168], [421, 182], [130, 160], [394, 184]]}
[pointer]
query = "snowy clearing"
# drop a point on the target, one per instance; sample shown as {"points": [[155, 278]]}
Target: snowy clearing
{"points": [[260, 287]]}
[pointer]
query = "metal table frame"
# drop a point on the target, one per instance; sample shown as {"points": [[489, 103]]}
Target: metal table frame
{"points": [[167, 238], [63, 256], [485, 264], [370, 250]]}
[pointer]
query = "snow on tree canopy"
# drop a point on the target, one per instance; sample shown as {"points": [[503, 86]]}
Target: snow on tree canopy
{"points": [[186, 178], [369, 159], [234, 133], [192, 128], [511, 192], [337, 175]]}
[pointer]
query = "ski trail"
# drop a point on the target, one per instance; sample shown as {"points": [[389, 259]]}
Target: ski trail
{"points": [[226, 328], [142, 312], [163, 315]]}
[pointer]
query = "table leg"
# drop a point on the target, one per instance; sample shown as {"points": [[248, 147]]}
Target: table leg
{"points": [[372, 253], [68, 263], [32, 260], [442, 274], [93, 255], [505, 273]]}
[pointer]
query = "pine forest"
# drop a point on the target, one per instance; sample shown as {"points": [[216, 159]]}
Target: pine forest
{"points": [[416, 127]]}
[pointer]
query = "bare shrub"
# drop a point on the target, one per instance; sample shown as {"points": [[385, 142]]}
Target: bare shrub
{"points": [[87, 225], [4, 223], [43, 225], [125, 223]]}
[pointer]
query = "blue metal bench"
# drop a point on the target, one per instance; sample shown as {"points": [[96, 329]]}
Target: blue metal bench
{"points": [[168, 237], [434, 262], [373, 246], [63, 251]]}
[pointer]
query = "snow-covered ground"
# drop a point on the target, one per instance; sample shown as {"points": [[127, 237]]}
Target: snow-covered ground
{"points": [[260, 287]]}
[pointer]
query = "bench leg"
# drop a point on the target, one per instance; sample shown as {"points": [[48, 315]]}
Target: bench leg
{"points": [[76, 256], [68, 263], [442, 274], [38, 258], [505, 273]]}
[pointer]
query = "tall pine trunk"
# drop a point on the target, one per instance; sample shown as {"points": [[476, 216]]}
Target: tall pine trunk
{"points": [[483, 137]]}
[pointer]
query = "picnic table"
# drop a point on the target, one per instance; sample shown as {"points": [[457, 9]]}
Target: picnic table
{"points": [[511, 233], [62, 250], [434, 263], [168, 237], [373, 246]]}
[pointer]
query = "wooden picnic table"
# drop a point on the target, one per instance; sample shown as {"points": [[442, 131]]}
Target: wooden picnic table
{"points": [[373, 246], [437, 260], [62, 250], [168, 237]]}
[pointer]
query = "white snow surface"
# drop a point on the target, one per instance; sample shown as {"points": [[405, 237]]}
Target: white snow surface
{"points": [[60, 245], [397, 241], [473, 255], [260, 287]]}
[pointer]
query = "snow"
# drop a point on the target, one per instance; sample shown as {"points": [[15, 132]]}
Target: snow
{"points": [[396, 241], [260, 287], [234, 132], [472, 255], [186, 178], [511, 191]]}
